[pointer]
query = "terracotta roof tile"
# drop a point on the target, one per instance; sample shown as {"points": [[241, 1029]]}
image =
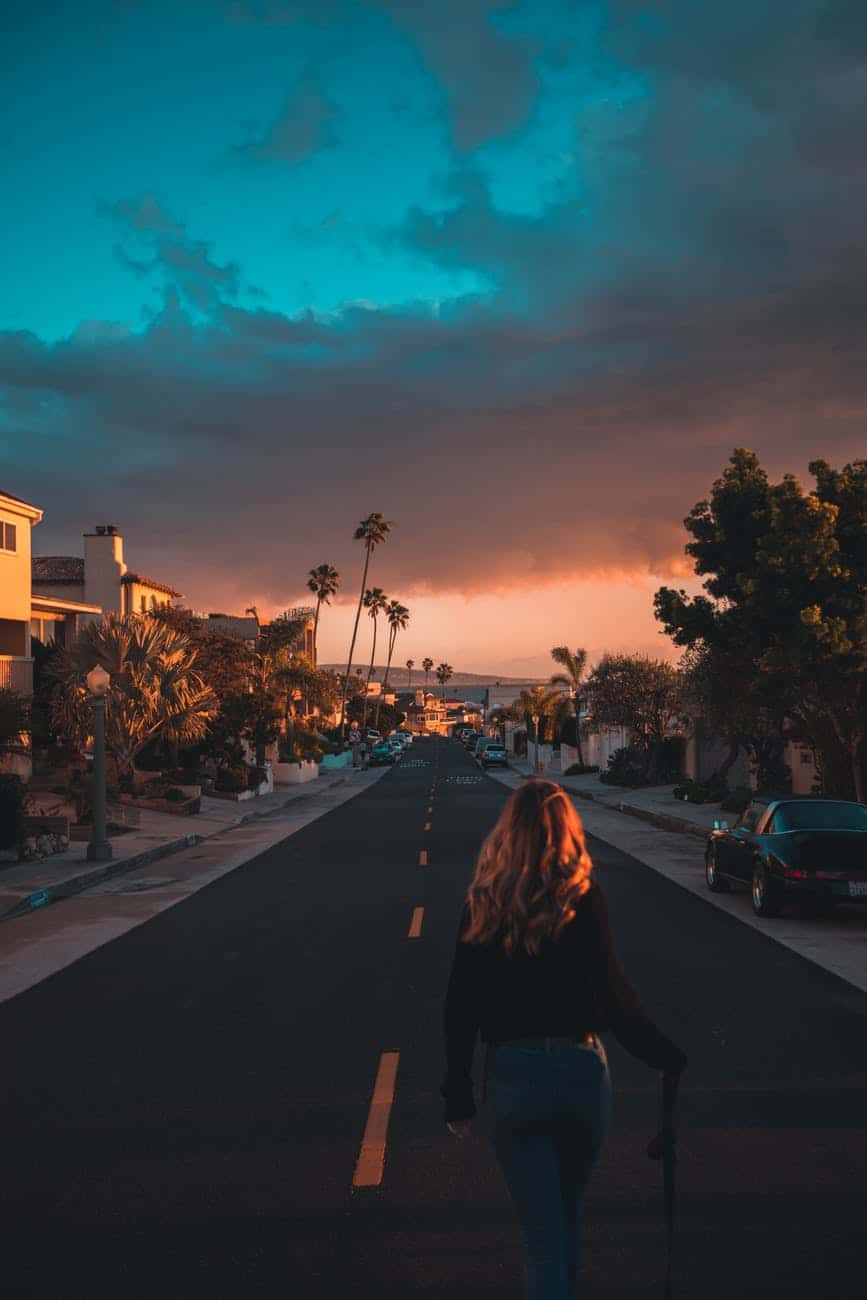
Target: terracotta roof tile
{"points": [[58, 568]]}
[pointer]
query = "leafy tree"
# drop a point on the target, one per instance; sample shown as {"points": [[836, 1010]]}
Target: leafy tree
{"points": [[284, 632], [155, 687], [641, 694], [570, 684], [324, 582], [427, 665], [372, 531], [785, 577]]}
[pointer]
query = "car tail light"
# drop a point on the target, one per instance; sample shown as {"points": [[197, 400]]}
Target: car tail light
{"points": [[794, 873]]}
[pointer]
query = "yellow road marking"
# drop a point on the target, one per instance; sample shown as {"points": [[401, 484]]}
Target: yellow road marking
{"points": [[430, 810], [371, 1157], [415, 923], [427, 826], [422, 858]]}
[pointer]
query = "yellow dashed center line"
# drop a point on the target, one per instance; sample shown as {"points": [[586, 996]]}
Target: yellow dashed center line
{"points": [[415, 923], [371, 1157], [427, 826], [422, 858]]}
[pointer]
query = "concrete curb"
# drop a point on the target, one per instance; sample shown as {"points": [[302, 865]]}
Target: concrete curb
{"points": [[95, 875]]}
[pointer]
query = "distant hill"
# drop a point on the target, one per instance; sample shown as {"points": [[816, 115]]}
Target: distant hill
{"points": [[398, 677]]}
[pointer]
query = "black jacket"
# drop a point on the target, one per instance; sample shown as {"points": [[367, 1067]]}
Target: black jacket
{"points": [[575, 985]]}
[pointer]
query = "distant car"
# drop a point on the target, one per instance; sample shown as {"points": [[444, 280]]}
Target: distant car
{"points": [[405, 737], [474, 742], [397, 746], [380, 753], [483, 743], [372, 736], [812, 850], [494, 756]]}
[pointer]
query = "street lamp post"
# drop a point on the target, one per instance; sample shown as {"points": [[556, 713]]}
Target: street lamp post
{"points": [[536, 743], [99, 849]]}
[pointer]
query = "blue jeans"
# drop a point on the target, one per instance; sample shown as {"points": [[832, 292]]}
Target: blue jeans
{"points": [[551, 1107]]}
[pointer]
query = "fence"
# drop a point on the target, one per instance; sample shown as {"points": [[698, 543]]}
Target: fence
{"points": [[16, 674]]}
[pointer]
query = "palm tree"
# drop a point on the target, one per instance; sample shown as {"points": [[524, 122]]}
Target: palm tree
{"points": [[155, 689], [427, 665], [444, 673], [375, 602], [398, 617], [410, 664], [570, 682], [372, 531], [324, 582]]}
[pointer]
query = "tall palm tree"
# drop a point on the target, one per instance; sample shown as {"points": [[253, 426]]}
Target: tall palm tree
{"points": [[427, 665], [410, 664], [375, 601], [324, 582], [371, 531], [570, 682], [398, 617], [444, 673]]}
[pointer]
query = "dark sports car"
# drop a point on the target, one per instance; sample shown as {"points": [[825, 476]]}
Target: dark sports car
{"points": [[810, 849]]}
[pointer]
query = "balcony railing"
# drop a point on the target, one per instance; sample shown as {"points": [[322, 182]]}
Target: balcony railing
{"points": [[16, 674]]}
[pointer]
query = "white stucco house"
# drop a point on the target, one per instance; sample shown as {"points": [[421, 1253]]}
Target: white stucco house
{"points": [[100, 577], [25, 611]]}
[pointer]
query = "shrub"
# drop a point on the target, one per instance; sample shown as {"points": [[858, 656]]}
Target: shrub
{"points": [[626, 766], [692, 792], [670, 759], [233, 780], [737, 800], [255, 777], [581, 769], [174, 795], [11, 809]]}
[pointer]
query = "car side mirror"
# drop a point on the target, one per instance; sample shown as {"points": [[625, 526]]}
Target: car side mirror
{"points": [[720, 825]]}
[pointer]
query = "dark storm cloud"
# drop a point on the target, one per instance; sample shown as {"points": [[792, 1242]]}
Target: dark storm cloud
{"points": [[305, 125], [179, 259], [698, 281]]}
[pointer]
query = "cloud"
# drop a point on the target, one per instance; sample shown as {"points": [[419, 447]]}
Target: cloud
{"points": [[305, 126], [180, 260], [487, 75], [697, 280]]}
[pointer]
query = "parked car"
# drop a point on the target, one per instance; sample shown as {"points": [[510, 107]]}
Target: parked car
{"points": [[405, 736], [483, 743], [380, 753], [468, 736], [372, 736], [397, 746], [808, 849], [493, 755]]}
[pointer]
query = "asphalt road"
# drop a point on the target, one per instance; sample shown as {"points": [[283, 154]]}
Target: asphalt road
{"points": [[182, 1109]]}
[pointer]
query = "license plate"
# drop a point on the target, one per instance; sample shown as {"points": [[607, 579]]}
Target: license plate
{"points": [[858, 888]]}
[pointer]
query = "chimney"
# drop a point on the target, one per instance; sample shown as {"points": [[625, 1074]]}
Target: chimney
{"points": [[103, 568]]}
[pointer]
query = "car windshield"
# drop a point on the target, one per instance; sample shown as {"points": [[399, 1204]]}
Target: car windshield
{"points": [[834, 815]]}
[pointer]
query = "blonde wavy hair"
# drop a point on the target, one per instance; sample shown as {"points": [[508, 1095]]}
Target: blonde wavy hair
{"points": [[532, 869]]}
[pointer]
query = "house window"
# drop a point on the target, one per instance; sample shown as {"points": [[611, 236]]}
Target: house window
{"points": [[8, 537]]}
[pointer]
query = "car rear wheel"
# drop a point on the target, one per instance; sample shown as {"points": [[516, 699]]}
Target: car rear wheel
{"points": [[715, 882], [766, 893]]}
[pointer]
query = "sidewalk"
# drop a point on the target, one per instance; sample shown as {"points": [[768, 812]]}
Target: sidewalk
{"points": [[655, 804], [25, 886]]}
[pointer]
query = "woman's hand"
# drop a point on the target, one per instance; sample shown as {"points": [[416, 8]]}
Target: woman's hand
{"points": [[460, 1127]]}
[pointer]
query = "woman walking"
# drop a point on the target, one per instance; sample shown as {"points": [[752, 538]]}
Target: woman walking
{"points": [[535, 974]]}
